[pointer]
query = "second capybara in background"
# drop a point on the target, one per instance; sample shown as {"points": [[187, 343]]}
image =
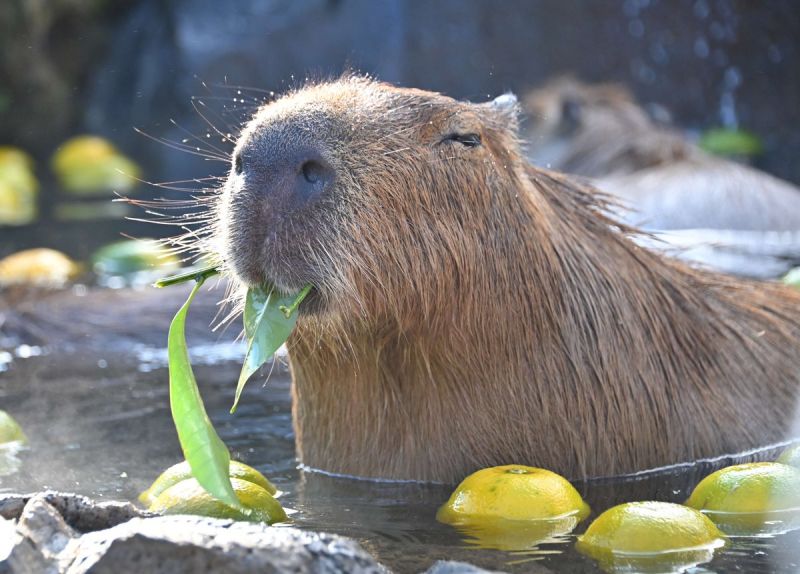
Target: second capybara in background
{"points": [[600, 132]]}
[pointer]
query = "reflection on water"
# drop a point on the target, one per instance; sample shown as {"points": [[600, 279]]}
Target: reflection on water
{"points": [[100, 426]]}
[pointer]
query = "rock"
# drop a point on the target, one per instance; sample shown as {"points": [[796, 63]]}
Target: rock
{"points": [[56, 533], [79, 512], [8, 537], [178, 544], [42, 534], [451, 567]]}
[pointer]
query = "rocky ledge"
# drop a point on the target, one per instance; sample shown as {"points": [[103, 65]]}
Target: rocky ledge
{"points": [[55, 533]]}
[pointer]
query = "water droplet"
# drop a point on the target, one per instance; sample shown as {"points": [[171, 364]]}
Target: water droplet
{"points": [[774, 54], [701, 48], [701, 9], [636, 28]]}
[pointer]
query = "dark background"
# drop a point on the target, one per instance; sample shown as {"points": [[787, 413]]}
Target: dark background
{"points": [[99, 66]]}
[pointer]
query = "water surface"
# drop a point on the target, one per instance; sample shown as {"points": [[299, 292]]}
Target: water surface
{"points": [[99, 425]]}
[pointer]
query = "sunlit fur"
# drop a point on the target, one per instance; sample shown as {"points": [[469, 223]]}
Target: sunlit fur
{"points": [[475, 311], [598, 131]]}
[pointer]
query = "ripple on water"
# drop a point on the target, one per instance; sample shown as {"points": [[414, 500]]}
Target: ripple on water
{"points": [[108, 433]]}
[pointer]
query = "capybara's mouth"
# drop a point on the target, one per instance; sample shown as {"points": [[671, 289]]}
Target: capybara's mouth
{"points": [[313, 304]]}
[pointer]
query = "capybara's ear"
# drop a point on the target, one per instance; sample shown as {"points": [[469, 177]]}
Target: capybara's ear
{"points": [[506, 109]]}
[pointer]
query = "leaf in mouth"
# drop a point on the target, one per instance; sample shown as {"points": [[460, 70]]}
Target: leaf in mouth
{"points": [[199, 275], [207, 455], [269, 319]]}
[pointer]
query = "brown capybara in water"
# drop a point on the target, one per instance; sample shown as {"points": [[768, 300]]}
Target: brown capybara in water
{"points": [[599, 131], [470, 310]]}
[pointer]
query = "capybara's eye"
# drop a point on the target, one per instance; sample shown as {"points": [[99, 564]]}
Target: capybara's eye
{"points": [[237, 164], [571, 111], [467, 140]]}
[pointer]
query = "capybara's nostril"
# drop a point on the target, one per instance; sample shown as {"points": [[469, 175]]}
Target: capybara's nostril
{"points": [[314, 177]]}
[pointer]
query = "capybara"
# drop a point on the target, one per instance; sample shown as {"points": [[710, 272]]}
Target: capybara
{"points": [[599, 131], [471, 310]]}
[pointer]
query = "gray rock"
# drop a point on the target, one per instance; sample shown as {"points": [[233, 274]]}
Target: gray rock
{"points": [[451, 567], [54, 533], [8, 537], [57, 533], [178, 544], [79, 512], [44, 527], [39, 537]]}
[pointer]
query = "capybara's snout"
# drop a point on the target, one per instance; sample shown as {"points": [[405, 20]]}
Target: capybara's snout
{"points": [[279, 186], [284, 176]]}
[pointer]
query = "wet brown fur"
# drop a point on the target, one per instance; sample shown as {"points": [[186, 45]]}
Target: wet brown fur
{"points": [[477, 311]]}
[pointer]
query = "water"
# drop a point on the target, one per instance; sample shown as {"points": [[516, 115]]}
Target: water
{"points": [[99, 425]]}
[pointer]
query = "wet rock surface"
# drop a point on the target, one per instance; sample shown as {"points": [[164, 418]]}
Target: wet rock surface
{"points": [[54, 532]]}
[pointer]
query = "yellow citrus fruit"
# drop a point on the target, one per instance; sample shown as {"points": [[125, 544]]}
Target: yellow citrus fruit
{"points": [[792, 278], [790, 456], [81, 150], [88, 165], [16, 207], [10, 431], [650, 537], [14, 156], [649, 527], [753, 487], [16, 169], [188, 497], [18, 187], [38, 267], [513, 492], [754, 498], [181, 471]]}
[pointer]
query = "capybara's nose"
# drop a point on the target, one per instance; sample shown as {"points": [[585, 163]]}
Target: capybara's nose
{"points": [[286, 176]]}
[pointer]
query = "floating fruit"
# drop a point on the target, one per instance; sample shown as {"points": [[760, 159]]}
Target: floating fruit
{"points": [[188, 497], [12, 439], [130, 257], [181, 471], [650, 537], [10, 431], [790, 456], [18, 187], [40, 267], [90, 165], [513, 507], [748, 499], [792, 278]]}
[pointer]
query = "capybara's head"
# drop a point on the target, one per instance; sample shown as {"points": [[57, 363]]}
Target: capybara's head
{"points": [[376, 195], [566, 109]]}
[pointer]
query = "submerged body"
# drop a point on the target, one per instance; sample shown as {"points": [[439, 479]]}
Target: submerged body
{"points": [[470, 310], [598, 131]]}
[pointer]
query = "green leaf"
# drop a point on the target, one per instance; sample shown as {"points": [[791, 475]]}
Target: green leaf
{"points": [[205, 452], [731, 142], [200, 274], [266, 328]]}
